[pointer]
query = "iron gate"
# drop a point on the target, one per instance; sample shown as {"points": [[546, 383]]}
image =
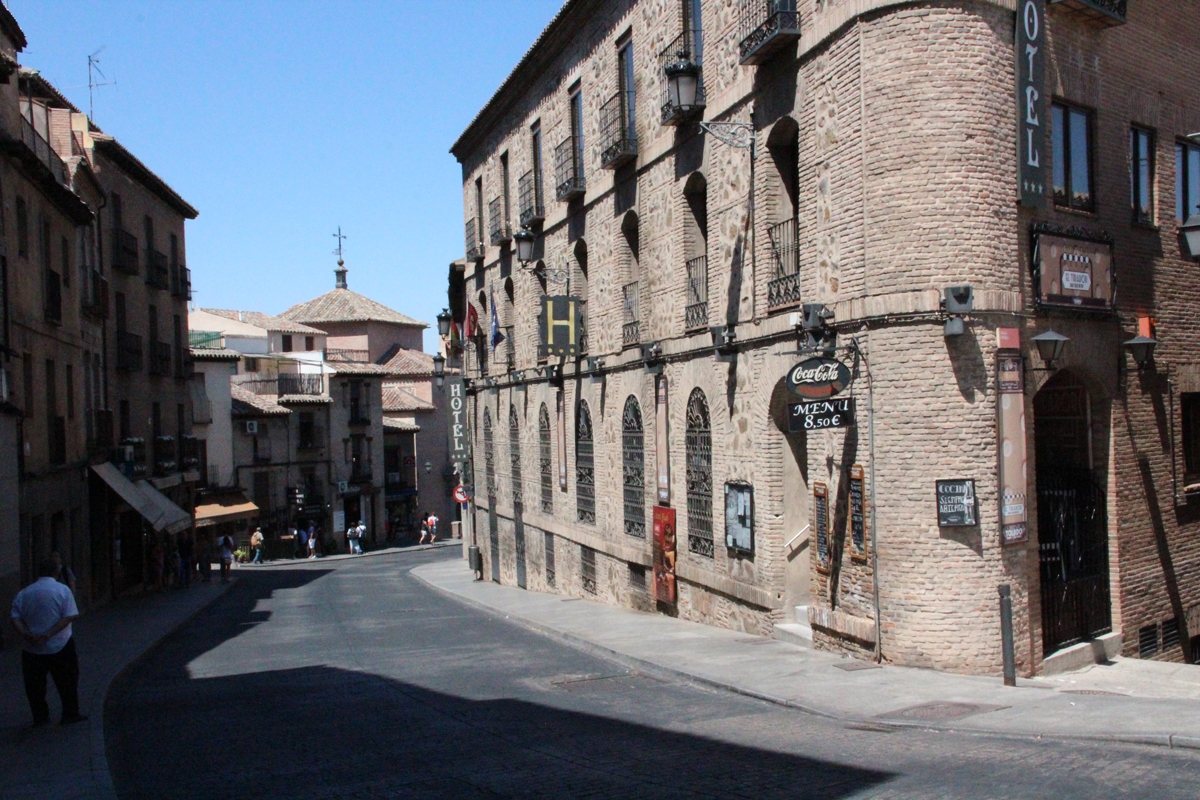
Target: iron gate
{"points": [[494, 538], [1073, 551], [519, 536]]}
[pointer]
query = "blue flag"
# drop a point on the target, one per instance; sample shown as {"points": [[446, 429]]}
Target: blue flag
{"points": [[497, 336]]}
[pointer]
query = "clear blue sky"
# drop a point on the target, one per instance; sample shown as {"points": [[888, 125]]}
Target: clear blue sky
{"points": [[280, 121]]}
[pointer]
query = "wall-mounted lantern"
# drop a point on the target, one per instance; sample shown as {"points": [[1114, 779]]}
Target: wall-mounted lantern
{"points": [[724, 339], [1050, 345], [439, 369], [683, 81], [958, 301], [595, 369], [1142, 349], [652, 358], [525, 240], [1191, 235], [443, 321]]}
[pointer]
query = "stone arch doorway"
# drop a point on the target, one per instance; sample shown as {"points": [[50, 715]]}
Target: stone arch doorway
{"points": [[1072, 514], [794, 497]]}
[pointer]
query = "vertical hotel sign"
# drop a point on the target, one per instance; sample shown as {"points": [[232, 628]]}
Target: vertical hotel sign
{"points": [[1010, 431], [1031, 101], [460, 443]]}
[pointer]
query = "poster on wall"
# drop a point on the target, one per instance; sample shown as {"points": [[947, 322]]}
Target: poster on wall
{"points": [[662, 453], [821, 521], [739, 517], [339, 521], [664, 554], [1073, 272], [956, 506], [858, 541], [1010, 433]]}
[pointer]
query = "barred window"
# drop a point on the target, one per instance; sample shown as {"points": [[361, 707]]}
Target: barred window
{"points": [[585, 470], [548, 538], [698, 450], [489, 455], [587, 568], [514, 454], [544, 465], [633, 468]]}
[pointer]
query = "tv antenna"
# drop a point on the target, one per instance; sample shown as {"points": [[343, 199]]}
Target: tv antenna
{"points": [[93, 84]]}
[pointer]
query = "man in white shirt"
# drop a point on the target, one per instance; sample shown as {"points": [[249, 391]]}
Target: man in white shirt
{"points": [[42, 613]]}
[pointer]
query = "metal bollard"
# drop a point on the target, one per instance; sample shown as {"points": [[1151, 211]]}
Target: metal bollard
{"points": [[1006, 635], [475, 561]]}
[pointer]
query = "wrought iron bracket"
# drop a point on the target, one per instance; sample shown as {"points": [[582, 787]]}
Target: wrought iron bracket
{"points": [[735, 134]]}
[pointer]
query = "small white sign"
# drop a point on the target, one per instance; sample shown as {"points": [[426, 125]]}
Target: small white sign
{"points": [[1013, 509], [1077, 281]]}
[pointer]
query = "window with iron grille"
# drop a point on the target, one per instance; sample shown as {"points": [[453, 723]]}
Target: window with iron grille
{"points": [[633, 468], [698, 451], [631, 322], [489, 456], [1148, 641], [514, 454], [696, 311], [585, 469], [545, 468], [548, 538], [1187, 181], [587, 568], [784, 287], [637, 578]]}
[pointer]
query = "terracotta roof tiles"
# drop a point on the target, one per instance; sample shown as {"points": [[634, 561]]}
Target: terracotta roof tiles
{"points": [[343, 305], [397, 399]]}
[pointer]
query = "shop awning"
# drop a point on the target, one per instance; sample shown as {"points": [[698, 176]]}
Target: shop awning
{"points": [[224, 508], [154, 506]]}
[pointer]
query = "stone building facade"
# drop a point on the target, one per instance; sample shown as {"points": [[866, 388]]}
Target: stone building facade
{"points": [[878, 163]]}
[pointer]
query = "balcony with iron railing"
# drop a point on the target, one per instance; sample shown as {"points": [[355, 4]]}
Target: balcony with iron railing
{"points": [[1107, 13], [683, 48], [189, 452], [499, 231], [765, 27], [205, 340], [129, 351], [181, 282], [44, 152], [618, 136], [568, 169], [52, 302], [158, 270], [529, 198], [160, 358], [783, 289], [125, 252], [301, 384], [696, 311], [631, 326], [93, 298], [184, 366], [473, 239]]}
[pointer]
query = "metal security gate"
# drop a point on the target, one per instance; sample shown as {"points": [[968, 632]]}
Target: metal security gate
{"points": [[519, 536], [494, 539], [1073, 550]]}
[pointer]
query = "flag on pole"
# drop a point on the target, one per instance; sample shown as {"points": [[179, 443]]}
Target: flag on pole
{"points": [[472, 321], [497, 336]]}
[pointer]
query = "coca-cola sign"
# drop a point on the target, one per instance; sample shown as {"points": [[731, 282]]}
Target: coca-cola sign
{"points": [[819, 377]]}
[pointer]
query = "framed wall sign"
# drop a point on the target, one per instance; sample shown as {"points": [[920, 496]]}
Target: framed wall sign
{"points": [[818, 378], [858, 539], [559, 326], [664, 554], [1010, 430], [739, 517], [460, 440], [1031, 101], [662, 452], [1073, 271], [814, 415], [821, 521], [956, 504]]}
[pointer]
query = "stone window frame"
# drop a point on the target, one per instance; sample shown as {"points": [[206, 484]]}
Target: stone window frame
{"points": [[545, 460], [633, 468], [585, 464]]}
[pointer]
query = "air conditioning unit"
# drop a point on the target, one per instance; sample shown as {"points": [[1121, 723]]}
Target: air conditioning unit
{"points": [[252, 426]]}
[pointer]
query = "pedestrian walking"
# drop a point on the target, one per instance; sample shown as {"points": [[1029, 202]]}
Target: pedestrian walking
{"points": [[312, 543], [42, 613], [433, 521], [354, 538], [226, 545], [256, 542], [424, 529]]}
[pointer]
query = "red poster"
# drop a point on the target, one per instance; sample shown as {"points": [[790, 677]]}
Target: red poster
{"points": [[664, 554]]}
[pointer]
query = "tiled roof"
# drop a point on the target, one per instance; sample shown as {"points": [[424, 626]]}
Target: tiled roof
{"points": [[343, 305], [214, 354], [397, 399], [409, 362], [305, 399], [264, 321], [404, 426], [355, 368], [249, 404]]}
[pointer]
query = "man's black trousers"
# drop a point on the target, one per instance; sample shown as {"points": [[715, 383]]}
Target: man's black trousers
{"points": [[63, 666]]}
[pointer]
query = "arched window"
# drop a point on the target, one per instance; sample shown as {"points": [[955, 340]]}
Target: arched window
{"points": [[633, 468], [585, 469], [698, 449], [514, 454], [695, 192], [489, 455], [544, 464]]}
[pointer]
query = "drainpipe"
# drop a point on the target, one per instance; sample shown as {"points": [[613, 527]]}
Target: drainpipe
{"points": [[874, 515]]}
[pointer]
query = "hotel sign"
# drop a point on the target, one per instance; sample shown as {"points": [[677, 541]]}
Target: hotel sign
{"points": [[460, 442], [559, 326], [1031, 101], [1074, 272]]}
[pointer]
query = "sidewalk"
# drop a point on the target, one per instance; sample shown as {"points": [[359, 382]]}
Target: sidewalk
{"points": [[66, 763], [1128, 701]]}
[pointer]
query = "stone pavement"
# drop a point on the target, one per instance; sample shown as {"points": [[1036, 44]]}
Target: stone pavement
{"points": [[1127, 701], [67, 763]]}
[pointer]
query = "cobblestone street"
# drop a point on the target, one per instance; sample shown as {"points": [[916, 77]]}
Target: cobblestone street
{"points": [[351, 679]]}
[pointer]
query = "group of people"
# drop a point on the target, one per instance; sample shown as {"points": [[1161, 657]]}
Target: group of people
{"points": [[306, 541], [174, 565]]}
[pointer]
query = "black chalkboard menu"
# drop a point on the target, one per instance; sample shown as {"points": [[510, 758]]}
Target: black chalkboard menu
{"points": [[956, 505], [858, 545], [821, 503]]}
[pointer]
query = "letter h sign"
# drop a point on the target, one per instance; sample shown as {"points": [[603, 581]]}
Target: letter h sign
{"points": [[558, 326]]}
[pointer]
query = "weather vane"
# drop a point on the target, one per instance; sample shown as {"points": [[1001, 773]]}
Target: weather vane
{"points": [[340, 239]]}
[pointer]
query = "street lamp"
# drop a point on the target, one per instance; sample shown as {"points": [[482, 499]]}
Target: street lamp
{"points": [[443, 320], [1050, 346], [1191, 235], [525, 239], [439, 369], [1142, 349], [683, 79]]}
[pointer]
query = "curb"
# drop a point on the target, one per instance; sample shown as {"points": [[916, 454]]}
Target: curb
{"points": [[102, 783], [388, 551], [1171, 741]]}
